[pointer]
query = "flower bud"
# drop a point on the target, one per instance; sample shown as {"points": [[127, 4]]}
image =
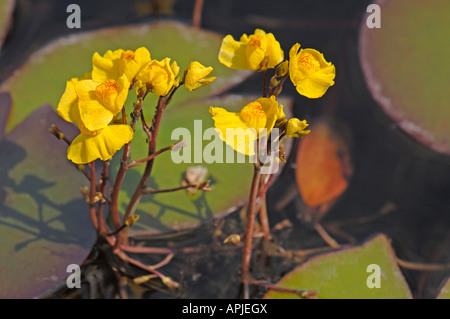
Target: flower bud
{"points": [[233, 238], [282, 69], [296, 128], [132, 219]]}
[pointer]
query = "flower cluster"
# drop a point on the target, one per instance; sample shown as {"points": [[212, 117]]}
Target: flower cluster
{"points": [[308, 70], [95, 101]]}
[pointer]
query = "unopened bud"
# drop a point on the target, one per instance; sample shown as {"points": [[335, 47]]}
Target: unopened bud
{"points": [[274, 82], [282, 69], [264, 63], [132, 219], [85, 192], [296, 128], [234, 239], [98, 197]]}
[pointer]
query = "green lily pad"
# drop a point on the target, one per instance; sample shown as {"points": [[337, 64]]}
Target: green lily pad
{"points": [[43, 78], [44, 222], [405, 63], [344, 274], [445, 291], [6, 12], [173, 211]]}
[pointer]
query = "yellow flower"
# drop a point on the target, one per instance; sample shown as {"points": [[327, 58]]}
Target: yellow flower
{"points": [[258, 51], [90, 145], [158, 76], [100, 102], [116, 63], [103, 144], [310, 72], [255, 120], [296, 128], [195, 76]]}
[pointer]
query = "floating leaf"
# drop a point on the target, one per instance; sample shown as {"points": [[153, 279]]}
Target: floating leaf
{"points": [[6, 13], [44, 222], [344, 274], [323, 163], [43, 78], [445, 291], [178, 210], [405, 63]]}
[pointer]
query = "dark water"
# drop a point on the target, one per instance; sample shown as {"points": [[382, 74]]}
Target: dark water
{"points": [[390, 167]]}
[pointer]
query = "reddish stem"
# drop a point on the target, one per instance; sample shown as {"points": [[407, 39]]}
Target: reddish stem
{"points": [[92, 196], [132, 261], [148, 167], [159, 250], [250, 222], [264, 218], [151, 157], [123, 168], [158, 191], [103, 183]]}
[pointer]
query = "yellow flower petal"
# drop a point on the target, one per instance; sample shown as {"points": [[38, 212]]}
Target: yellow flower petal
{"points": [[310, 72], [255, 120], [87, 148], [195, 74], [232, 53], [124, 86], [254, 116], [175, 68], [106, 67], [256, 50], [271, 109], [276, 55], [316, 85], [234, 131], [68, 104], [131, 62], [97, 102]]}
